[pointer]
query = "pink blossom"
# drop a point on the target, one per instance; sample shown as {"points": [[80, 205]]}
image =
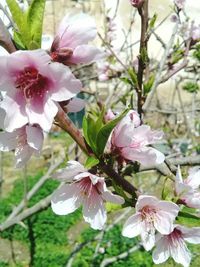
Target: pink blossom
{"points": [[136, 3], [26, 141], [188, 189], [180, 3], [130, 141], [196, 33], [73, 105], [151, 214], [103, 70], [71, 43], [174, 245], [33, 86], [86, 189], [109, 116]]}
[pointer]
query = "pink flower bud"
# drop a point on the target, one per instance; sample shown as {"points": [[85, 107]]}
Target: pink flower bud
{"points": [[136, 3], [71, 43]]}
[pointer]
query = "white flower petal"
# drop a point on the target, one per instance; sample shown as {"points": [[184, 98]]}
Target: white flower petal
{"points": [[94, 212], [181, 254], [35, 137], [66, 199], [68, 173], [191, 235], [148, 239], [75, 105], [133, 226], [161, 253]]}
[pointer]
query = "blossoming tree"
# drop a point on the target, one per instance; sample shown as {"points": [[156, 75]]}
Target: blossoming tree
{"points": [[39, 89]]}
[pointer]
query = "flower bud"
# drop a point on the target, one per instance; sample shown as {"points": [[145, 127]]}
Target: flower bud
{"points": [[136, 3]]}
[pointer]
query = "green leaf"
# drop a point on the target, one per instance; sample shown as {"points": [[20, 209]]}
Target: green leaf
{"points": [[152, 21], [91, 162], [149, 84], [17, 14], [105, 131], [188, 219], [144, 55], [85, 130], [35, 22], [133, 76], [126, 80], [19, 18], [90, 132], [191, 87], [18, 41]]}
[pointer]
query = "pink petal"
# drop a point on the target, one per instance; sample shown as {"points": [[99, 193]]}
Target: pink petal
{"points": [[94, 212], [194, 178], [148, 239], [75, 105], [133, 226], [66, 86], [23, 155], [66, 199], [76, 29], [72, 169], [2, 117], [192, 200], [191, 235], [85, 54], [181, 254], [163, 223], [43, 118], [35, 137], [145, 200], [122, 135], [110, 197], [169, 207], [15, 115], [147, 156], [161, 252], [8, 141]]}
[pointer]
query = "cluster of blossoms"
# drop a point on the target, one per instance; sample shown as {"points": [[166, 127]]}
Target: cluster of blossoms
{"points": [[154, 218], [36, 82]]}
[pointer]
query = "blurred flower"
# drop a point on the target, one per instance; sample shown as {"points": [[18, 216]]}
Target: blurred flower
{"points": [[26, 141], [33, 86], [70, 46], [103, 70], [174, 245], [136, 3], [180, 3], [188, 189], [151, 214], [86, 189], [196, 33], [109, 115], [174, 18]]}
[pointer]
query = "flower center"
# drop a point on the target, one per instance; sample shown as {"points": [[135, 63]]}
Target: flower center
{"points": [[62, 55], [175, 238], [148, 214], [87, 188], [31, 83]]}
